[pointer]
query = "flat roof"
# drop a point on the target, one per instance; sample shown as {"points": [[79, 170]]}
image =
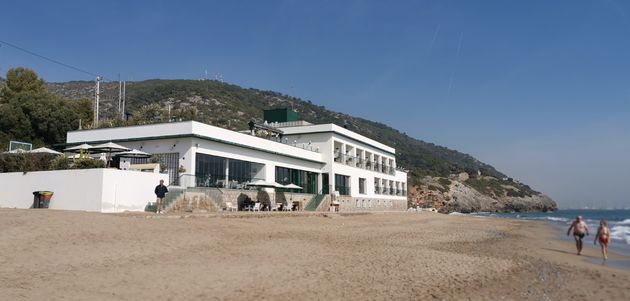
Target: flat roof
{"points": [[191, 129], [333, 128]]}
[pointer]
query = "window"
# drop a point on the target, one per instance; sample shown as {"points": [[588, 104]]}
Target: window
{"points": [[361, 185], [306, 180], [210, 171], [342, 184]]}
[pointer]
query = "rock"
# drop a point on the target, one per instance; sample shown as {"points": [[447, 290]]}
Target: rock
{"points": [[462, 177], [467, 200]]}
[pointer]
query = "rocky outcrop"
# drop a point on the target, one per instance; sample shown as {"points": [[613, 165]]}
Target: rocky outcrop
{"points": [[466, 200], [456, 194]]}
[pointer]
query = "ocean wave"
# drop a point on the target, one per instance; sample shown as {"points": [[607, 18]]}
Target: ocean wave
{"points": [[620, 233], [456, 213], [624, 222], [556, 219]]}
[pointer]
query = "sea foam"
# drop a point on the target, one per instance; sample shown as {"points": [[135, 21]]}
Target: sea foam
{"points": [[620, 232]]}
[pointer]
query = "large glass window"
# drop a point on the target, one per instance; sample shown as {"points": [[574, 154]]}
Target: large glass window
{"points": [[306, 180], [342, 184], [211, 171]]}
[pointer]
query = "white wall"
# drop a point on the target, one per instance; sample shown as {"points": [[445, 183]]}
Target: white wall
{"points": [[99, 190]]}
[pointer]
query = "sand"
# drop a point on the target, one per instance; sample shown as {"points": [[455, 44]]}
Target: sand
{"points": [[55, 255]]}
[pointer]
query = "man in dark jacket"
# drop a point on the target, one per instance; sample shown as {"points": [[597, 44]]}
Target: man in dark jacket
{"points": [[160, 193]]}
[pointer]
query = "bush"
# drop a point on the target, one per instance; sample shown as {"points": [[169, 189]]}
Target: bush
{"points": [[60, 163], [25, 162], [444, 182], [87, 162]]}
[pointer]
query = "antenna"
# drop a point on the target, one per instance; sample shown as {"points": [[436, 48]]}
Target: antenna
{"points": [[124, 99], [119, 93], [97, 96], [206, 75]]}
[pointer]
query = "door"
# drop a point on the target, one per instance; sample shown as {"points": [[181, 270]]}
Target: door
{"points": [[325, 185]]}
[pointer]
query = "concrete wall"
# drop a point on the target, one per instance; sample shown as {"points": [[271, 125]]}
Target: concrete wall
{"points": [[98, 190]]}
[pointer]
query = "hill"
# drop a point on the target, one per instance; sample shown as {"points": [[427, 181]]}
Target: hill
{"points": [[231, 106]]}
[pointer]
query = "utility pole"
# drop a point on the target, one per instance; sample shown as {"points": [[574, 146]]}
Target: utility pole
{"points": [[98, 95], [124, 99], [119, 93]]}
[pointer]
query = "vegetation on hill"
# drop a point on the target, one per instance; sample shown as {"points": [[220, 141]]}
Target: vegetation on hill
{"points": [[224, 105], [30, 113]]}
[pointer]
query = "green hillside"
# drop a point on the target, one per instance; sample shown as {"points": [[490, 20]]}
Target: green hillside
{"points": [[232, 107], [228, 106]]}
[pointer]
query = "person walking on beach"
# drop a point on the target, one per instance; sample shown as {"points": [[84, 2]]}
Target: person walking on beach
{"points": [[579, 230], [603, 235], [160, 193]]}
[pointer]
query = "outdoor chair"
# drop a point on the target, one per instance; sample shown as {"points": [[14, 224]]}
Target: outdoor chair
{"points": [[230, 207], [256, 207], [287, 207], [276, 207]]}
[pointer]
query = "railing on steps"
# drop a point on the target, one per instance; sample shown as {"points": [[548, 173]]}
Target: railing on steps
{"points": [[211, 193], [315, 202], [174, 192]]}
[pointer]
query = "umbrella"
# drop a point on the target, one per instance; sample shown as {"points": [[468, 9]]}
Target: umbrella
{"points": [[292, 186], [109, 148], [134, 153], [262, 183], [45, 150], [78, 148]]}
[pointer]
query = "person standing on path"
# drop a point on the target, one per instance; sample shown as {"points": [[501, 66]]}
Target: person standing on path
{"points": [[603, 234], [160, 193], [579, 230]]}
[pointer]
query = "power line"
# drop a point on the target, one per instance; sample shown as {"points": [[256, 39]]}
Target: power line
{"points": [[47, 58]]}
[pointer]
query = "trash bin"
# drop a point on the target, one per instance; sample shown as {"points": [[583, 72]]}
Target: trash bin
{"points": [[41, 199]]}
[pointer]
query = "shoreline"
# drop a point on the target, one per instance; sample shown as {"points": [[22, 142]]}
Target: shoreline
{"points": [[81, 255]]}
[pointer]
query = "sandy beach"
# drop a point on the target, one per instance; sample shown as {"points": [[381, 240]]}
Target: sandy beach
{"points": [[54, 255]]}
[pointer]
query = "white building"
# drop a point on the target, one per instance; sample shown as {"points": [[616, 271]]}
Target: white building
{"points": [[323, 159]]}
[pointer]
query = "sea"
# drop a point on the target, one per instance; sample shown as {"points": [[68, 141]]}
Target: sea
{"points": [[618, 222]]}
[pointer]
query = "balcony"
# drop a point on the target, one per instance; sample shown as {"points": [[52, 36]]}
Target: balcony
{"points": [[377, 189], [338, 157], [359, 163], [349, 160]]}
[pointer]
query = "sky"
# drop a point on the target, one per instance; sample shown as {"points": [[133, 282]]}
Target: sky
{"points": [[539, 89]]}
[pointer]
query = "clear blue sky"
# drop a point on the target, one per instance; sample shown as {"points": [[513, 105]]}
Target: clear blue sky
{"points": [[539, 89]]}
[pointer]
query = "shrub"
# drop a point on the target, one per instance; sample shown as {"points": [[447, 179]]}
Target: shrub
{"points": [[60, 163], [87, 162], [25, 162]]}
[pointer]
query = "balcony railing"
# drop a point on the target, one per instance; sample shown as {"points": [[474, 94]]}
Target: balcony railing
{"points": [[377, 189]]}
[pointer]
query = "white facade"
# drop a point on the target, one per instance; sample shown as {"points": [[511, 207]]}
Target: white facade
{"points": [[359, 158], [97, 190], [327, 154]]}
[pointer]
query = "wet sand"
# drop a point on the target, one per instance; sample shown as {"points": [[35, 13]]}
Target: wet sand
{"points": [[54, 255]]}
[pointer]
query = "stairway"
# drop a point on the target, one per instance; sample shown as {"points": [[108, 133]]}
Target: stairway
{"points": [[173, 194], [190, 199], [315, 202]]}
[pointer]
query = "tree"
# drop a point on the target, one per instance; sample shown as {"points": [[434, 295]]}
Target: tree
{"points": [[21, 80], [148, 114], [29, 113]]}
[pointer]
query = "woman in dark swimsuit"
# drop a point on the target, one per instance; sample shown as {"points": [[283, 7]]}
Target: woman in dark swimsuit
{"points": [[603, 235]]}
